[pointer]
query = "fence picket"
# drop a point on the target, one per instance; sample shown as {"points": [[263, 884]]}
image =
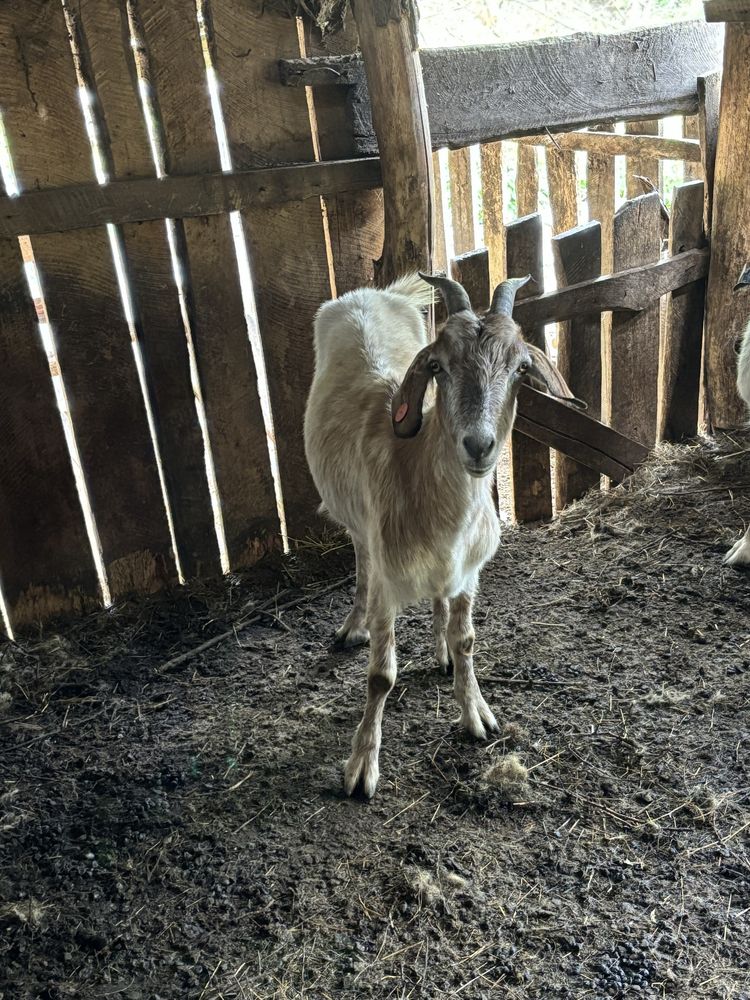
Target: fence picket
{"points": [[491, 158], [462, 205]]}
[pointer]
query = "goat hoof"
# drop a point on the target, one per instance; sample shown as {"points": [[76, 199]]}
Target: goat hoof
{"points": [[446, 666], [739, 554], [361, 772], [349, 638], [477, 719]]}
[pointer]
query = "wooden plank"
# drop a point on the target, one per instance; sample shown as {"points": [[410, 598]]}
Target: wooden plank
{"points": [[628, 292], [387, 37], [527, 182], [693, 171], [562, 186], [600, 193], [83, 206], [577, 435], [682, 340], [491, 164], [727, 10], [631, 351], [486, 93], [609, 143], [439, 252], [46, 567], [642, 164], [530, 461], [472, 270], [726, 315], [462, 200], [709, 95], [577, 256], [84, 304]]}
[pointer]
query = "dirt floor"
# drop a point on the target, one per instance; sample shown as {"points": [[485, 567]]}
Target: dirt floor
{"points": [[178, 830]]}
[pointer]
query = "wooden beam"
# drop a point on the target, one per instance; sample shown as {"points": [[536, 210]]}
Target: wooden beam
{"points": [[142, 199], [682, 340], [726, 315], [472, 270], [615, 144], [485, 93], [629, 291], [709, 97], [387, 37], [577, 435], [726, 10]]}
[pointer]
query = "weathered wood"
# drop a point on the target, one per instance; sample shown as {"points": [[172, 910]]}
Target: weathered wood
{"points": [[627, 292], [631, 350], [600, 194], [530, 461], [608, 143], [399, 117], [709, 95], [577, 256], [682, 340], [472, 270], [727, 10], [491, 162], [439, 252], [527, 182], [642, 164], [485, 93], [562, 186], [40, 101], [462, 200], [577, 435], [693, 171], [83, 206], [726, 315]]}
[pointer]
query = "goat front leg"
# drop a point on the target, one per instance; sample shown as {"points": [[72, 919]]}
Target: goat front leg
{"points": [[354, 630], [439, 626], [476, 715], [739, 554], [362, 767]]}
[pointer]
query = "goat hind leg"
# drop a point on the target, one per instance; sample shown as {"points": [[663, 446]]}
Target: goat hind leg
{"points": [[354, 630], [739, 554], [439, 626], [476, 715]]}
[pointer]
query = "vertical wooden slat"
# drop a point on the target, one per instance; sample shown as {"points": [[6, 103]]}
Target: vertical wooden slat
{"points": [[267, 123], [462, 205], [439, 256], [46, 566], [577, 256], [562, 187], [682, 340], [600, 187], [709, 95], [473, 272], [691, 130], [491, 159], [39, 96], [631, 349], [726, 316], [641, 166], [530, 461], [527, 181]]}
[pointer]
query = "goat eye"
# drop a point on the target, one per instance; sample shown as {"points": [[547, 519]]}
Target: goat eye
{"points": [[434, 366], [523, 368]]}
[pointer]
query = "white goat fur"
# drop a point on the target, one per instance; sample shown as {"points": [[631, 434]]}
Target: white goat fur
{"points": [[739, 554]]}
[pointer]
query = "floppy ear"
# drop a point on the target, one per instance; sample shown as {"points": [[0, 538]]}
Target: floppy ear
{"points": [[406, 405], [542, 370]]}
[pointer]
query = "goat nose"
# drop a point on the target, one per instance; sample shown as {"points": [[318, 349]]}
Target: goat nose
{"points": [[478, 447]]}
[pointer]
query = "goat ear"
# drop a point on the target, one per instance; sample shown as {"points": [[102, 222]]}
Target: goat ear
{"points": [[542, 370], [406, 405]]}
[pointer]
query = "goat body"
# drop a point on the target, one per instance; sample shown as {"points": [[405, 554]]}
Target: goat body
{"points": [[739, 554]]}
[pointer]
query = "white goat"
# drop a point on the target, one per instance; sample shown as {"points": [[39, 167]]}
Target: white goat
{"points": [[739, 554], [419, 510]]}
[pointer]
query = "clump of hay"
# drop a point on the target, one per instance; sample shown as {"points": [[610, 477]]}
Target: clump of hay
{"points": [[25, 911], [666, 696], [701, 803], [423, 886], [508, 776], [513, 734]]}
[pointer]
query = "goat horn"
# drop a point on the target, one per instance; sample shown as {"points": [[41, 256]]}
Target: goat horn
{"points": [[456, 299], [505, 295]]}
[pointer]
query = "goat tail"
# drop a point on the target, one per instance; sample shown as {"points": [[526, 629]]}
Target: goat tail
{"points": [[414, 289], [743, 367]]}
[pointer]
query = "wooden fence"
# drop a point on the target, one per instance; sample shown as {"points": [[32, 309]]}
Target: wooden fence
{"points": [[184, 187]]}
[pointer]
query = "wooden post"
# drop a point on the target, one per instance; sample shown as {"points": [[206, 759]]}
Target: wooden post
{"points": [[462, 204], [578, 257], [600, 187], [682, 336], [641, 166], [709, 95], [473, 272], [387, 37], [691, 130], [439, 255], [631, 349], [530, 461], [527, 182], [491, 155], [561, 185]]}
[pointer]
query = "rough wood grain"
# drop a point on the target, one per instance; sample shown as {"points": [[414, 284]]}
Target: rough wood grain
{"points": [[399, 117], [577, 435], [439, 251], [472, 270], [39, 96], [626, 292], [642, 164], [83, 206], [727, 10], [527, 182], [631, 351], [530, 461], [462, 200], [562, 185], [600, 194], [491, 161], [682, 335], [726, 316], [609, 143], [693, 171], [577, 256], [709, 95], [485, 93]]}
